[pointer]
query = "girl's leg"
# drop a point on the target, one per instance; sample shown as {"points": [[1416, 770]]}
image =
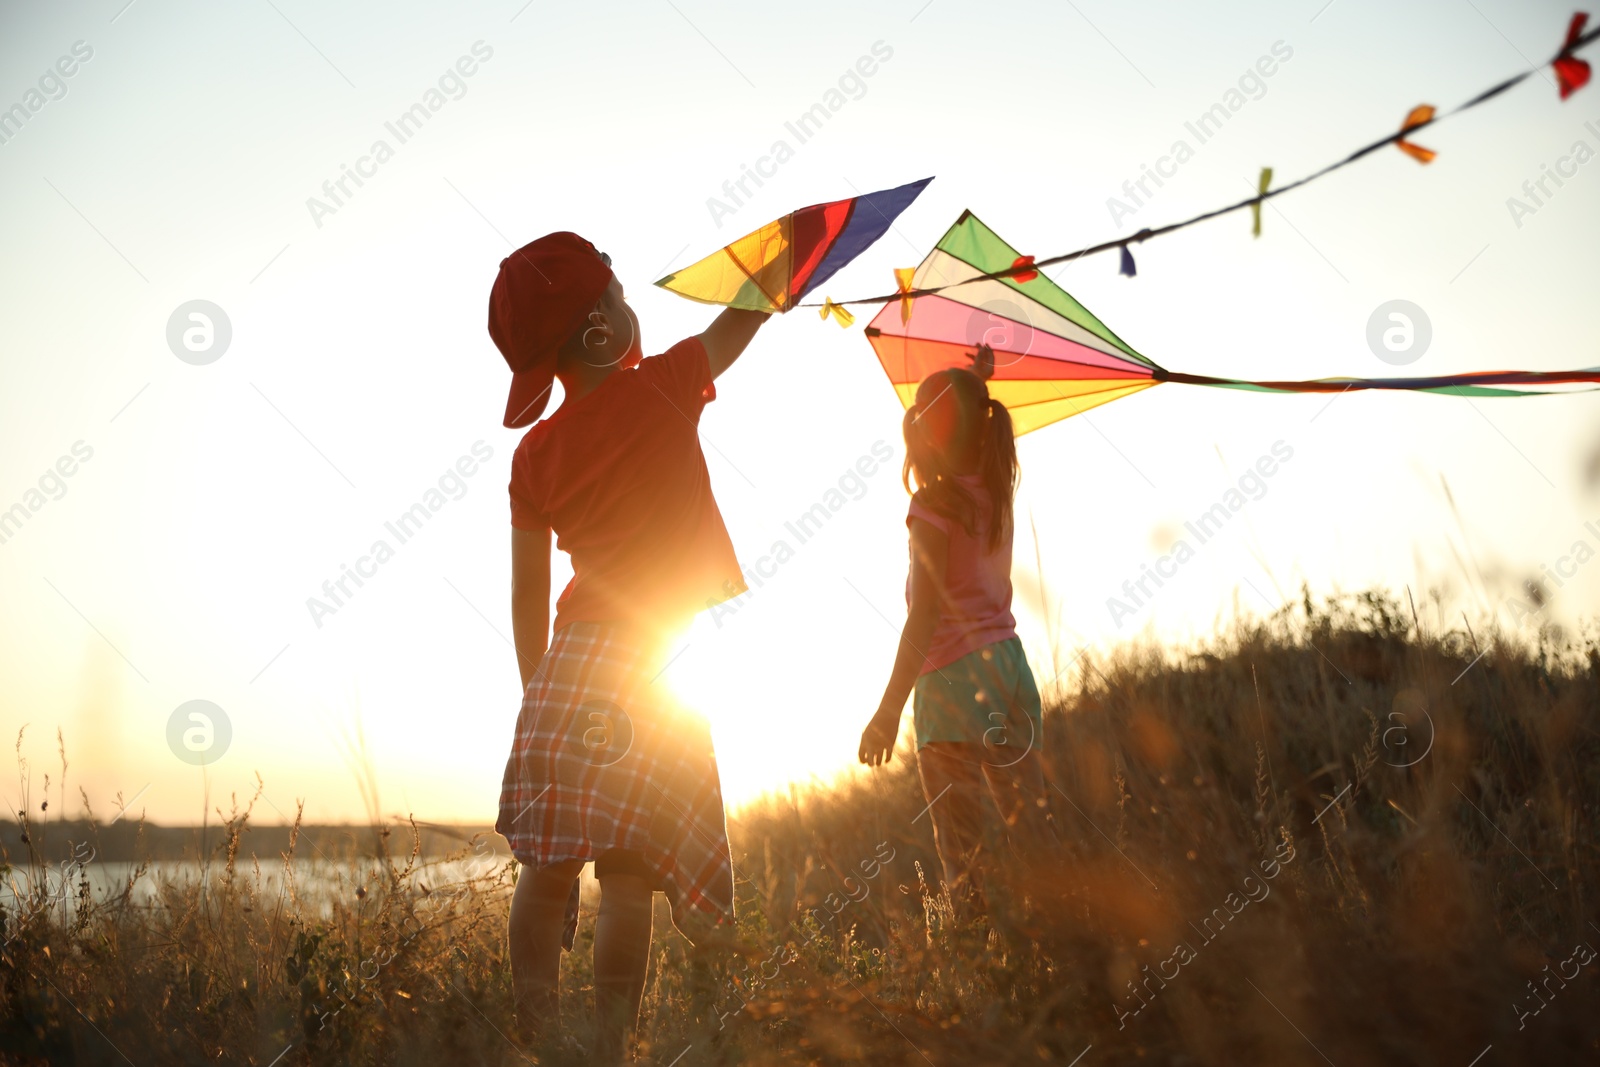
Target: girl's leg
{"points": [[1020, 798], [1018, 783], [1035, 878], [621, 957], [538, 917], [953, 786]]}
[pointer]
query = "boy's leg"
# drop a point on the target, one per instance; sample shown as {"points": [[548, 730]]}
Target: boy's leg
{"points": [[953, 786], [538, 918], [621, 950]]}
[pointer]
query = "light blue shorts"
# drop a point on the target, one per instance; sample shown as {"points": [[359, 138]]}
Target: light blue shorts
{"points": [[988, 697]]}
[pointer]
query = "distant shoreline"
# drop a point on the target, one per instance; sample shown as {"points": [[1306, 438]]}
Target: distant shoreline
{"points": [[53, 841]]}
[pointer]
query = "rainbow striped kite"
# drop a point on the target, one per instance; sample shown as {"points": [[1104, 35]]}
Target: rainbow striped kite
{"points": [[774, 267], [1052, 357]]}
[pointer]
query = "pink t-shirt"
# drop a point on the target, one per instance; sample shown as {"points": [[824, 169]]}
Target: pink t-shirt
{"points": [[978, 582]]}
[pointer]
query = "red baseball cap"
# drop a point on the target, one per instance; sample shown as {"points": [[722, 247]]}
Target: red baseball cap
{"points": [[544, 292]]}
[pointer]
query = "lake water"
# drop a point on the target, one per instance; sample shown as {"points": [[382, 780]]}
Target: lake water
{"points": [[317, 884]]}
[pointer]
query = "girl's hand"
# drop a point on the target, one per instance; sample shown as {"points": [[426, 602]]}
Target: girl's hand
{"points": [[877, 740]]}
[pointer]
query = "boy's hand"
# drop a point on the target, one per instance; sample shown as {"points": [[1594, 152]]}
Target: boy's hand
{"points": [[877, 740]]}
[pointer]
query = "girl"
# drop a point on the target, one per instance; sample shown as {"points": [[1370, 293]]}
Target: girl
{"points": [[976, 707], [603, 766]]}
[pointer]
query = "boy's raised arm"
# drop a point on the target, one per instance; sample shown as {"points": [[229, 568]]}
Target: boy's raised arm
{"points": [[728, 335]]}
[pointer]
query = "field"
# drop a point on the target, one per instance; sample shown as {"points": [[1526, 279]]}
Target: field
{"points": [[1354, 833]]}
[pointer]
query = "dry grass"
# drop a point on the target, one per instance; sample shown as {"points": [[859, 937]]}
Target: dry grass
{"points": [[1411, 908]]}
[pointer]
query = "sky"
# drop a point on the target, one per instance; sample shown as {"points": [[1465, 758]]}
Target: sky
{"points": [[186, 497]]}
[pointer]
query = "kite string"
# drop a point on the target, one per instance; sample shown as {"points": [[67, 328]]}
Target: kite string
{"points": [[1147, 234]]}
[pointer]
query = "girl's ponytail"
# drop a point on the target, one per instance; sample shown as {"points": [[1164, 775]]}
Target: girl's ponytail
{"points": [[916, 449], [1000, 470]]}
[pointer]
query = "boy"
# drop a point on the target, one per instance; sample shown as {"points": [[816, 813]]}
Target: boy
{"points": [[603, 767]]}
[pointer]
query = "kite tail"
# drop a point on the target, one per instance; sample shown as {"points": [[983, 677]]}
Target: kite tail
{"points": [[1478, 383]]}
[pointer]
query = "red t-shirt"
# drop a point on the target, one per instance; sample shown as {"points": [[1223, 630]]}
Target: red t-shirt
{"points": [[619, 476]]}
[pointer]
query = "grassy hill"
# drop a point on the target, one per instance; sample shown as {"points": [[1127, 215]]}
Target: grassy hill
{"points": [[1336, 836]]}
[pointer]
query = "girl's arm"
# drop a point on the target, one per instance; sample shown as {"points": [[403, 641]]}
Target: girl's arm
{"points": [[728, 335], [530, 598], [930, 550]]}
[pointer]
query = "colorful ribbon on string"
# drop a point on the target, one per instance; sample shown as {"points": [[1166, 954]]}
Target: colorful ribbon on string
{"points": [[840, 314], [1255, 209], [1420, 115], [1127, 267], [903, 277], [1572, 73], [1577, 72]]}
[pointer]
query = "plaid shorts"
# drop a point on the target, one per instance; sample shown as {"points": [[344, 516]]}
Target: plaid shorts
{"points": [[605, 759]]}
